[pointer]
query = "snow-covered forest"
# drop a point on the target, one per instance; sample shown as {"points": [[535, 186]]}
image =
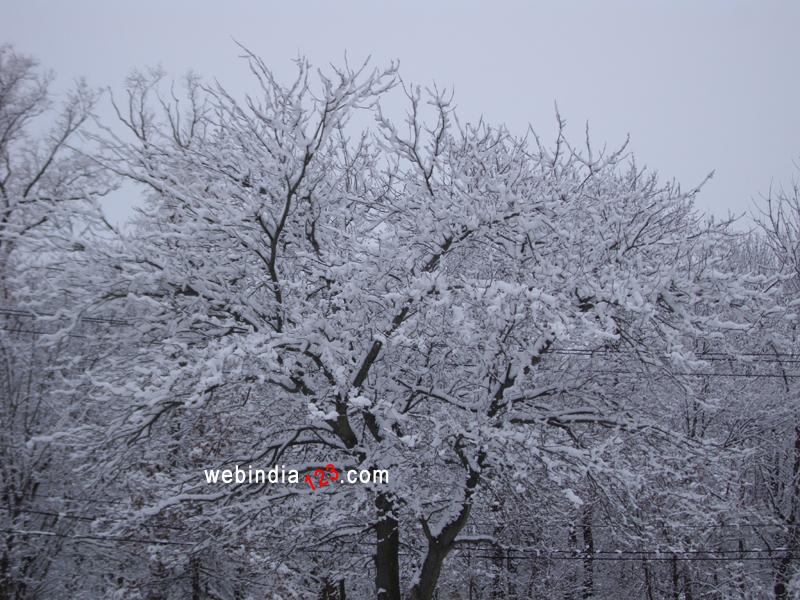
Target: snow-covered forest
{"points": [[581, 386]]}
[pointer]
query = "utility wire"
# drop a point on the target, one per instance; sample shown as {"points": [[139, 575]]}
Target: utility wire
{"points": [[505, 554], [83, 517], [794, 357], [590, 372]]}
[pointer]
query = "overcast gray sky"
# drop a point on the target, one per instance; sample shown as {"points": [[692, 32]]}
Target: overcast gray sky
{"points": [[699, 85]]}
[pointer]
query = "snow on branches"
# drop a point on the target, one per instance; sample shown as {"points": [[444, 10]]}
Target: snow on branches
{"points": [[449, 301]]}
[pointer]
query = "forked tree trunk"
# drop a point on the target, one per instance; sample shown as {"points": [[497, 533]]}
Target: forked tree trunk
{"points": [[440, 544]]}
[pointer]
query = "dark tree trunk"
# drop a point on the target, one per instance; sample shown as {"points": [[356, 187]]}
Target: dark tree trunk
{"points": [[387, 566], [676, 583], [688, 591], [648, 581], [572, 587], [429, 575], [440, 544], [588, 552], [331, 591], [196, 591], [783, 569], [782, 580]]}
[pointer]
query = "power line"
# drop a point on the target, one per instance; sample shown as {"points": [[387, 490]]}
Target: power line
{"points": [[505, 554], [671, 526], [758, 357], [500, 554], [591, 372], [794, 357], [16, 312], [644, 558], [81, 499], [102, 538], [61, 515], [34, 332], [702, 355], [699, 374]]}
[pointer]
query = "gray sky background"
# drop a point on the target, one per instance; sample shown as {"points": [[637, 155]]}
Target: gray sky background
{"points": [[699, 85]]}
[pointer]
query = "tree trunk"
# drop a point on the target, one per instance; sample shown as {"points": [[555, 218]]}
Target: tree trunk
{"points": [[782, 579], [688, 591], [588, 552], [648, 580], [331, 591], [429, 576], [387, 566], [196, 592], [439, 545], [572, 587], [783, 570], [676, 584]]}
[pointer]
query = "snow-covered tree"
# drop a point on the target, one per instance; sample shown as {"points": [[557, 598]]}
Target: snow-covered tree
{"points": [[48, 208], [774, 471], [409, 296]]}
